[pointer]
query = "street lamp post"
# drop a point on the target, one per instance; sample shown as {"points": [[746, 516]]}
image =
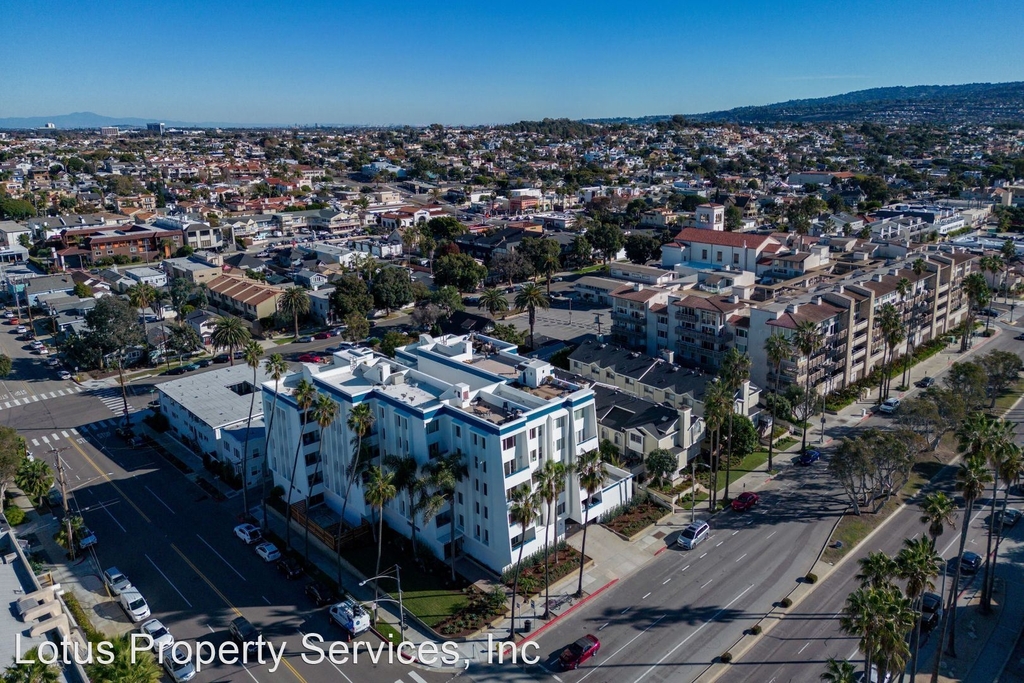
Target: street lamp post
{"points": [[822, 440], [398, 579]]}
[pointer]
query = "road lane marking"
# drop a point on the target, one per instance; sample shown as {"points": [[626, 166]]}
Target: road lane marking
{"points": [[45, 440], [706, 584], [685, 568], [206, 580], [74, 431], [625, 610], [720, 543], [702, 556], [220, 556], [35, 399], [64, 433], [419, 679], [684, 640], [249, 672], [801, 650], [601, 628], [55, 436], [741, 557], [770, 535], [645, 597], [733, 533], [608, 658], [159, 499], [168, 580], [35, 442], [265, 599], [111, 482], [666, 581], [53, 394]]}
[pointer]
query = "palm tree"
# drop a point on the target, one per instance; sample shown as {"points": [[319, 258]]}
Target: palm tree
{"points": [[970, 481], [778, 348], [380, 490], [917, 563], [295, 302], [276, 367], [493, 301], [360, 421], [32, 671], [891, 648], [978, 296], [530, 298], [734, 371], [523, 510], [142, 295], [548, 266], [839, 671], [590, 469], [861, 617], [904, 288], [127, 666], [34, 478], [444, 473], [892, 334], [1000, 447], [877, 570], [716, 403], [325, 412], [808, 340], [1009, 471], [992, 264], [407, 479], [937, 510], [229, 333], [305, 395], [252, 354], [550, 481]]}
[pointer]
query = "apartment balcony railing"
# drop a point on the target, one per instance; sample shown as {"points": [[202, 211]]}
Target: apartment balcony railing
{"points": [[686, 317], [633, 316]]}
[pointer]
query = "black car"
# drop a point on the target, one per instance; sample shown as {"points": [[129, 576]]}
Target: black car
{"points": [[321, 594], [221, 358], [204, 363], [1020, 337], [180, 370], [289, 568], [931, 611], [970, 563], [244, 633], [925, 382]]}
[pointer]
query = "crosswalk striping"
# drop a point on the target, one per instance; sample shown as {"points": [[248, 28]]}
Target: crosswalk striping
{"points": [[112, 399], [42, 396], [47, 439]]}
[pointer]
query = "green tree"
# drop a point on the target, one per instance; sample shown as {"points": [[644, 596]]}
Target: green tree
{"points": [[359, 421], [734, 372], [917, 563], [808, 340], [5, 365], [493, 300], [445, 228], [305, 395], [589, 469], [877, 570], [252, 353], [380, 490], [34, 478], [508, 333], [229, 333], [542, 253], [32, 670], [277, 367], [408, 481], [524, 506], [444, 473], [357, 327], [733, 218], [391, 341], [325, 412], [350, 295], [127, 666], [969, 382], [606, 238], [891, 326], [183, 339], [581, 252], [448, 299], [641, 248], [839, 671], [294, 303], [460, 271], [550, 482], [510, 266], [717, 405], [978, 297], [530, 298], [83, 290], [392, 288], [660, 464], [778, 349], [1002, 369]]}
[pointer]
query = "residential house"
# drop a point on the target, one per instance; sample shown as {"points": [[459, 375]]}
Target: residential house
{"points": [[244, 296]]}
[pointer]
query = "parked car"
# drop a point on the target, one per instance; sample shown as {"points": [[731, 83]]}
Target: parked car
{"points": [[1020, 337], [268, 551], [304, 340], [745, 501], [179, 671], [351, 616], [321, 594], [809, 457], [289, 568], [925, 382], [204, 363], [970, 562], [180, 370], [244, 633], [21, 328], [890, 406], [931, 610], [310, 358], [989, 312], [134, 605], [694, 534], [162, 638], [64, 374], [191, 367], [1008, 517], [41, 351], [579, 652], [322, 335], [221, 358], [52, 362], [86, 538], [115, 581], [248, 533]]}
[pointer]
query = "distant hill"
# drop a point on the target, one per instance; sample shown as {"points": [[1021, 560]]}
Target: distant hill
{"points": [[985, 103]]}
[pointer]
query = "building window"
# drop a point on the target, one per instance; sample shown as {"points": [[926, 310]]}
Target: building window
{"points": [[476, 508], [508, 442], [485, 512], [533, 432], [487, 538], [432, 427], [485, 492], [533, 455], [561, 508], [703, 254], [460, 497], [735, 259], [719, 257], [560, 444], [510, 467], [458, 432]]}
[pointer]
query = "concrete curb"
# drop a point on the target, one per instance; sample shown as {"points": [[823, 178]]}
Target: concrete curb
{"points": [[579, 603]]}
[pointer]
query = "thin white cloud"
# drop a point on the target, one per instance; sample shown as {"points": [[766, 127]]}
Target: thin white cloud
{"points": [[824, 77]]}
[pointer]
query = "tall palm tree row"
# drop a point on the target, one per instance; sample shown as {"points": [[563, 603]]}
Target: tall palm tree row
{"points": [[360, 422], [325, 412], [1011, 467], [530, 298], [493, 301], [380, 490], [408, 481], [550, 481], [808, 340], [978, 296], [904, 289], [295, 303], [891, 326], [734, 371], [918, 564], [778, 349], [1000, 446], [229, 333], [305, 396], [277, 368], [590, 471], [252, 353], [523, 510], [444, 474], [716, 403]]}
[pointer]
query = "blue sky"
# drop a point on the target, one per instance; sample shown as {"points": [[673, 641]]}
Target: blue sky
{"points": [[453, 62]]}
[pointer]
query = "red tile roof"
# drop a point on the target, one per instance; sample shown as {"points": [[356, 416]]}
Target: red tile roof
{"points": [[725, 239]]}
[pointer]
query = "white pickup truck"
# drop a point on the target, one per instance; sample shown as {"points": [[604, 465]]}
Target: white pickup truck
{"points": [[351, 616]]}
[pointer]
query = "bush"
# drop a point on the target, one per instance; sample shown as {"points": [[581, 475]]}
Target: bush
{"points": [[726, 657], [786, 603], [811, 578], [755, 630], [15, 515]]}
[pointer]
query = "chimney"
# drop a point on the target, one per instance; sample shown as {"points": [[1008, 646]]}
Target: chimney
{"points": [[877, 277], [638, 287], [683, 428], [734, 299], [668, 355], [817, 300], [793, 308]]}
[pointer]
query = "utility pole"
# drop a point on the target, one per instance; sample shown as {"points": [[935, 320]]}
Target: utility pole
{"points": [[62, 482]]}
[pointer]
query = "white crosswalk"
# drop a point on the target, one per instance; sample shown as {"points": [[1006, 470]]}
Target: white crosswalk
{"points": [[414, 676], [112, 398], [46, 440], [41, 396]]}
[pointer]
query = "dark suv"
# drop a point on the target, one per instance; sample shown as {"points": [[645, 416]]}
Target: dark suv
{"points": [[320, 594], [244, 633]]}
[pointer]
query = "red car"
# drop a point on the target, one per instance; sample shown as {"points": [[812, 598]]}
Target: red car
{"points": [[744, 501], [322, 335], [310, 358], [579, 652]]}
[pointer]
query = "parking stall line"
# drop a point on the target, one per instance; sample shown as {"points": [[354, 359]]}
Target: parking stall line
{"points": [[156, 567], [231, 566], [160, 500]]}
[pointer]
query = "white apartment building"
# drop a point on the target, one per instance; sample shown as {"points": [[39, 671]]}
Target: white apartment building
{"points": [[476, 396]]}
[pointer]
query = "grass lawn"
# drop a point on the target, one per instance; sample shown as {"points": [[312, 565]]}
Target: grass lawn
{"points": [[853, 529], [750, 463], [783, 444], [1006, 401], [589, 269], [430, 595], [687, 504]]}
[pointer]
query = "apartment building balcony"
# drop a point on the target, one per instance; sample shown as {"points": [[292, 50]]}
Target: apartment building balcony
{"points": [[518, 476], [633, 316], [586, 445], [686, 317], [720, 336]]}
